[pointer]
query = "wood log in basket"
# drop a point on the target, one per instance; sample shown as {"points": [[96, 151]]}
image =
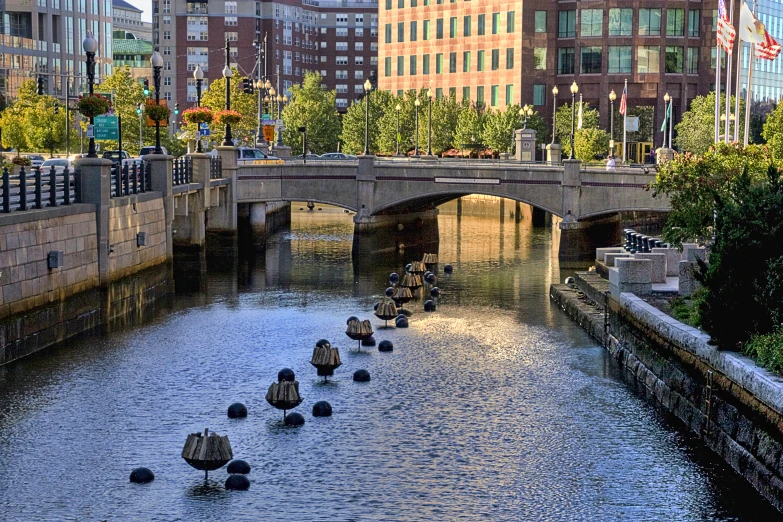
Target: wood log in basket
{"points": [[430, 259], [412, 281], [207, 451], [417, 267], [323, 356], [402, 294], [358, 330], [386, 310], [284, 395]]}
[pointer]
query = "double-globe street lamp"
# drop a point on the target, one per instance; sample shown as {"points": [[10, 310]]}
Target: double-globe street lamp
{"points": [[198, 75], [367, 89], [669, 100], [554, 113], [574, 90], [612, 98], [90, 46], [157, 66], [526, 112], [281, 98], [228, 140]]}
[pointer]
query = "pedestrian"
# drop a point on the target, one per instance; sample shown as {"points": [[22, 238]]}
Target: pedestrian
{"points": [[610, 163]]}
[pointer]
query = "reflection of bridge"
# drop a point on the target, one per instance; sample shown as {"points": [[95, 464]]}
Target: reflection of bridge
{"points": [[388, 191]]}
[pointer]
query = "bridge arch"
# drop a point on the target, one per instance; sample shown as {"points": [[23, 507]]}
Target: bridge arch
{"points": [[431, 200]]}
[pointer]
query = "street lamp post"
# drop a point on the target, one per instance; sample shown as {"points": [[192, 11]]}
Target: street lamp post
{"points": [[554, 113], [279, 133], [612, 98], [367, 89], [139, 111], [198, 74], [157, 65], [526, 112], [417, 104], [398, 109], [429, 124], [574, 90], [259, 84], [228, 139], [669, 100], [280, 127], [90, 46]]}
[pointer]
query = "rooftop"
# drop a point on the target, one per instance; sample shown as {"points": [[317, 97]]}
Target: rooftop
{"points": [[132, 47], [122, 4]]}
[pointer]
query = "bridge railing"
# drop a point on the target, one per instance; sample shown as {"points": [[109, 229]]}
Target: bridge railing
{"points": [[35, 189], [130, 178], [215, 167], [182, 171]]}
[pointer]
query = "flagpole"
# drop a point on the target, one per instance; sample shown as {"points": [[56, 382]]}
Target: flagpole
{"points": [[671, 119], [717, 93], [748, 92], [625, 117], [728, 77], [737, 96]]}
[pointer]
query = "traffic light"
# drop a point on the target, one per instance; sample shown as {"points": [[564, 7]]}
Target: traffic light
{"points": [[56, 108], [138, 108], [247, 86], [40, 86], [176, 109], [146, 87]]}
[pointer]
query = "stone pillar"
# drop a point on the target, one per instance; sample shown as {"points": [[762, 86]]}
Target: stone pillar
{"points": [[281, 151], [539, 217], [663, 154], [93, 181], [223, 218], [554, 154], [365, 188], [189, 224], [526, 144], [258, 224], [160, 181], [572, 187]]}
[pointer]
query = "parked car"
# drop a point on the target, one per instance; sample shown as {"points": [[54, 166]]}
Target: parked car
{"points": [[337, 156], [116, 156], [151, 150], [36, 160], [59, 165], [309, 156]]}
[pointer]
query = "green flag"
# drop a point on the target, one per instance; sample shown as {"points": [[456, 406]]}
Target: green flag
{"points": [[666, 117]]}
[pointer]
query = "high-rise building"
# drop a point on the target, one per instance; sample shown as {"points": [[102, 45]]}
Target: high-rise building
{"points": [[502, 52], [45, 37], [335, 38], [132, 40], [126, 18]]}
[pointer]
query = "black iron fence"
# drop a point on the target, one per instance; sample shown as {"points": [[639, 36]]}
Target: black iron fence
{"points": [[130, 178], [215, 167], [182, 171], [34, 188]]}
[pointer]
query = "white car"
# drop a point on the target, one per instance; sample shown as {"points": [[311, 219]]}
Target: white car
{"points": [[337, 156], [36, 160], [59, 165]]}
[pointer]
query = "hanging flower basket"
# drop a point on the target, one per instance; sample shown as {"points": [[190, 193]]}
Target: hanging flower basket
{"points": [[157, 112], [92, 105], [228, 117], [197, 115]]}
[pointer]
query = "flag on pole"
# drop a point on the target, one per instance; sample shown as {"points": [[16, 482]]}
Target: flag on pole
{"points": [[769, 49], [666, 116], [726, 32], [623, 101], [579, 120], [750, 28]]}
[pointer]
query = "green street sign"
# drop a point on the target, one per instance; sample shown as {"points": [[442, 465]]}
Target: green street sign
{"points": [[266, 116], [106, 128]]}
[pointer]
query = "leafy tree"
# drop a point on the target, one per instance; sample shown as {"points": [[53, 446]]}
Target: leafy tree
{"points": [[696, 130], [12, 123], [538, 124], [694, 183], [387, 124], [44, 129], [127, 94], [445, 111], [352, 135], [646, 115], [313, 108], [27, 94], [773, 133], [588, 143], [245, 104], [470, 126], [589, 121], [499, 127]]}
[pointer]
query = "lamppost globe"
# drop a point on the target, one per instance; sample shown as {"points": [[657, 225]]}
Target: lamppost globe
{"points": [[90, 44], [227, 72], [367, 86], [429, 93], [398, 108], [612, 96], [272, 92], [666, 97], [267, 99], [417, 103], [198, 74], [157, 59], [279, 98], [554, 91], [574, 88], [285, 98], [268, 85], [259, 84], [530, 111]]}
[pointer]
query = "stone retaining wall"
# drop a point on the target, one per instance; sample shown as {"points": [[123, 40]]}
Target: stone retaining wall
{"points": [[127, 217], [742, 419]]}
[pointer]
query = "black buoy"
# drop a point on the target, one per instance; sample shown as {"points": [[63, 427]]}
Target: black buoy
{"points": [[448, 269], [426, 275], [238, 410], [405, 312], [401, 321], [322, 409], [238, 466], [430, 279], [408, 267], [237, 483], [294, 419], [370, 341], [435, 292], [429, 305], [352, 318], [323, 343], [385, 346], [361, 376], [394, 278], [389, 292], [142, 476], [286, 374]]}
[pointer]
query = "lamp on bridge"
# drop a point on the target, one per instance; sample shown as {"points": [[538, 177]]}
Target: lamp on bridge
{"points": [[612, 98], [90, 46], [198, 74], [526, 112], [554, 113], [398, 109], [157, 65], [574, 90], [280, 100], [429, 123], [669, 100], [367, 89], [417, 104], [228, 139]]}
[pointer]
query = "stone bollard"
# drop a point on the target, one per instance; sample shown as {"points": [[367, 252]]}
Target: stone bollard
{"points": [[93, 179], [599, 252], [610, 258], [672, 260], [161, 167], [696, 253], [631, 275], [658, 274], [688, 282]]}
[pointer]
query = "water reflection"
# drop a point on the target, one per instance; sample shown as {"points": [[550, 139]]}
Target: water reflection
{"points": [[497, 407]]}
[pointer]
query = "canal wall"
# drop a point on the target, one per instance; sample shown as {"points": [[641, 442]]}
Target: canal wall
{"points": [[129, 217], [732, 404]]}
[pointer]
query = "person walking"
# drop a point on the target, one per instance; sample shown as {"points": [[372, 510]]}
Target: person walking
{"points": [[610, 165]]}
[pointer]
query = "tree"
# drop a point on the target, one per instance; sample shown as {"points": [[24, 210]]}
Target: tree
{"points": [[470, 126], [245, 104], [44, 129], [499, 127], [127, 94], [352, 135], [589, 121], [445, 111], [773, 133], [312, 107], [387, 125], [589, 143], [696, 130], [694, 184], [12, 123]]}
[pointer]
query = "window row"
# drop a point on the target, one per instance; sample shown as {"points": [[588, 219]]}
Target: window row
{"points": [[453, 27], [620, 22], [539, 94], [677, 59], [439, 65]]}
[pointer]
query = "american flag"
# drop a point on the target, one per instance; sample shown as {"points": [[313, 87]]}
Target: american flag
{"points": [[769, 49], [722, 10], [623, 105], [726, 32]]}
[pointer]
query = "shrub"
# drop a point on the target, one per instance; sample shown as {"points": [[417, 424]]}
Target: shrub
{"points": [[21, 160], [687, 310], [767, 350]]}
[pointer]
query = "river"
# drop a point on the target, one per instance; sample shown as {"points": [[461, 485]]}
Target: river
{"points": [[495, 407]]}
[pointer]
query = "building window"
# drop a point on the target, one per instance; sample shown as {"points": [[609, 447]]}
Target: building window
{"points": [[591, 60], [510, 22], [565, 60], [675, 19], [619, 59], [439, 29], [480, 61], [426, 33], [453, 27], [480, 95], [649, 22], [694, 17], [540, 21], [425, 64], [482, 21], [388, 33], [566, 24], [387, 66], [439, 63], [592, 22], [388, 4], [358, 46], [674, 59], [452, 62], [414, 28], [167, 81], [358, 74], [400, 4], [466, 61], [539, 94], [509, 93], [693, 60], [713, 59], [341, 60], [510, 58], [167, 35], [539, 58], [465, 94], [341, 46], [438, 93], [412, 66], [620, 22], [400, 65], [401, 32], [495, 22], [495, 59], [648, 59], [466, 26], [494, 93]]}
